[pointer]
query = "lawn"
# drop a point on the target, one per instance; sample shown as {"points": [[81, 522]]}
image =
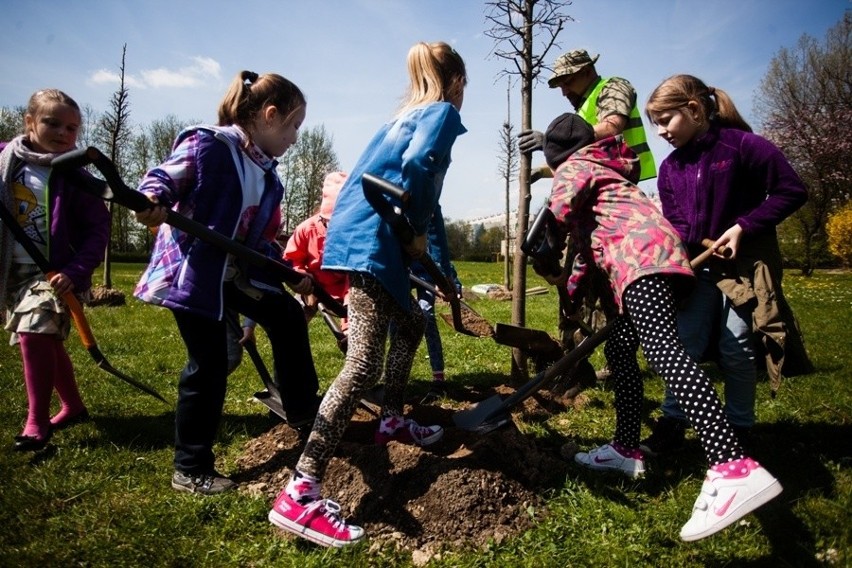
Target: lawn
{"points": [[99, 495]]}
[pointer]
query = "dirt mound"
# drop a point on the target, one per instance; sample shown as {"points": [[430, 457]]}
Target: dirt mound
{"points": [[464, 491], [102, 296]]}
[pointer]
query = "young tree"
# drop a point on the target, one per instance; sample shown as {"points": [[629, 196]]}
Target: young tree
{"points": [[805, 103], [302, 171], [115, 135], [508, 170], [515, 26]]}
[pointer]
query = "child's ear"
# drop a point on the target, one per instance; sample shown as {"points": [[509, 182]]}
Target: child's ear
{"points": [[269, 113], [694, 110]]}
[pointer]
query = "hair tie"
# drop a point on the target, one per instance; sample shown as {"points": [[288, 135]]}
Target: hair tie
{"points": [[711, 91], [249, 77]]}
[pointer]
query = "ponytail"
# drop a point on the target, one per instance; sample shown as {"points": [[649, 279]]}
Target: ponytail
{"points": [[714, 105], [249, 93], [436, 72]]}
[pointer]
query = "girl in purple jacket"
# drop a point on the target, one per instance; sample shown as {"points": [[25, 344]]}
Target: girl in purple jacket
{"points": [[618, 231], [72, 229], [224, 177], [727, 184]]}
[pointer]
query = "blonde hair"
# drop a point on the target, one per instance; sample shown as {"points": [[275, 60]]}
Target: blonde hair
{"points": [[436, 73], [39, 99], [713, 104], [250, 93]]}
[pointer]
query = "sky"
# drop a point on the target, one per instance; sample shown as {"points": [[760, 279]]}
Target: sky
{"points": [[348, 56]]}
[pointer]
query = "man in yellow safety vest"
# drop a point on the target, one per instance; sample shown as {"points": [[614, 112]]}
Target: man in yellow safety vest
{"points": [[608, 104]]}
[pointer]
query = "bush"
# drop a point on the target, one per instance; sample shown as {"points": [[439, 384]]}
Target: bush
{"points": [[839, 231]]}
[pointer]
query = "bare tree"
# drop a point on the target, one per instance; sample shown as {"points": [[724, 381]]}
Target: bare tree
{"points": [[515, 26], [114, 133], [508, 170], [302, 171], [89, 126]]}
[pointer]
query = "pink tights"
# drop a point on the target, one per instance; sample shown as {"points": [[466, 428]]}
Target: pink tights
{"points": [[47, 366]]}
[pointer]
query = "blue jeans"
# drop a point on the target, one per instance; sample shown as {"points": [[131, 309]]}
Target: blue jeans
{"points": [[426, 299], [696, 320]]}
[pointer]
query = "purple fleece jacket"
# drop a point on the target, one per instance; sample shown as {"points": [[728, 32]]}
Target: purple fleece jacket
{"points": [[725, 177]]}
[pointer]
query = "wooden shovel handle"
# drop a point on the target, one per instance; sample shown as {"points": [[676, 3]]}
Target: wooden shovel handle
{"points": [[701, 258], [77, 315]]}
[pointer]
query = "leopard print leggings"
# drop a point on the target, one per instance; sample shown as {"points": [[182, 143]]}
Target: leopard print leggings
{"points": [[371, 310]]}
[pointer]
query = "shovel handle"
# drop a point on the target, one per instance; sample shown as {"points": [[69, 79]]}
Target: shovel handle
{"points": [[704, 256], [78, 317], [136, 201]]}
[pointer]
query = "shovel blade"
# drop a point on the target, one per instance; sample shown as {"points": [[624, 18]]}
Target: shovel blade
{"points": [[473, 418], [534, 340], [271, 402]]}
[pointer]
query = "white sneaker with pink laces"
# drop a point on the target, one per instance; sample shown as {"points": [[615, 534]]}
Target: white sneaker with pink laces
{"points": [[318, 521], [729, 492]]}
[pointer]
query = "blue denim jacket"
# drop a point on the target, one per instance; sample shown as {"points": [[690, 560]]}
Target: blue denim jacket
{"points": [[413, 151]]}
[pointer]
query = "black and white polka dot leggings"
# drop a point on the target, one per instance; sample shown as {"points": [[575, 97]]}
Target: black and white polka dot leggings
{"points": [[650, 322]]}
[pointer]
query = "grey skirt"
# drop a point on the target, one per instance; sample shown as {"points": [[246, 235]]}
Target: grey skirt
{"points": [[33, 307]]}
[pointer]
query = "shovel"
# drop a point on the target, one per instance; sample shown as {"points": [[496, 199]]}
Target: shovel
{"points": [[493, 412], [467, 313], [375, 190], [77, 314], [271, 397], [116, 190]]}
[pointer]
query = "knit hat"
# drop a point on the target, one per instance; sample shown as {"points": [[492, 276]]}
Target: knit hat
{"points": [[564, 136], [569, 63], [330, 188]]}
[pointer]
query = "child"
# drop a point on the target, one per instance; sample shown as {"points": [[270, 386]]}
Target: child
{"points": [[619, 231], [438, 249], [304, 250], [72, 230], [413, 151], [725, 183], [224, 177]]}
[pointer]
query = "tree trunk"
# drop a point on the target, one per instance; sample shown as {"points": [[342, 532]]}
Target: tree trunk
{"points": [[519, 293]]}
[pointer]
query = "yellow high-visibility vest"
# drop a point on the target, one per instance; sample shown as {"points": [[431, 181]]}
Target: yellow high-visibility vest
{"points": [[634, 133]]}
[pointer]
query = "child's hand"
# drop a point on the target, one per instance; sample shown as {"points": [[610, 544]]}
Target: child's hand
{"points": [[304, 287], [61, 284], [731, 239], [154, 216], [248, 335]]}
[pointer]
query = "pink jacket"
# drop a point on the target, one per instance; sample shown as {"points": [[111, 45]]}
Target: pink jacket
{"points": [[615, 226]]}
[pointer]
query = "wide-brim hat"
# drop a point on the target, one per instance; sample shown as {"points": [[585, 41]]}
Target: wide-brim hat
{"points": [[569, 63]]}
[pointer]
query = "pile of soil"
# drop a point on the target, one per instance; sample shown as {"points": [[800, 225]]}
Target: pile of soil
{"points": [[464, 491], [103, 296]]}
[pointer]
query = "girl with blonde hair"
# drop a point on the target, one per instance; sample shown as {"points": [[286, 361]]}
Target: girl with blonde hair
{"points": [[412, 151]]}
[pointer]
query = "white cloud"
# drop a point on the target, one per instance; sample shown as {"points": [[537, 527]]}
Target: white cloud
{"points": [[194, 75]]}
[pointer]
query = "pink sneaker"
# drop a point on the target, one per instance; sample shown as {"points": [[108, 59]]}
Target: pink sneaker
{"points": [[319, 521], [411, 433]]}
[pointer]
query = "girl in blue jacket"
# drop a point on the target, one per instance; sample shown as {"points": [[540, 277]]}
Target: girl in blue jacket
{"points": [[224, 177], [413, 151]]}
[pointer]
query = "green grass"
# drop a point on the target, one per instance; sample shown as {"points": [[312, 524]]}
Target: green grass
{"points": [[100, 495]]}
